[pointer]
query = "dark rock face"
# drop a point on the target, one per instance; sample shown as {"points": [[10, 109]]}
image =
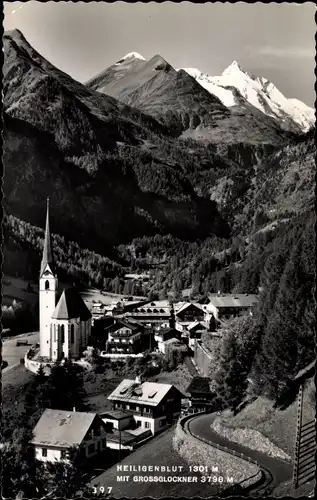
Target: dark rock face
{"points": [[81, 148]]}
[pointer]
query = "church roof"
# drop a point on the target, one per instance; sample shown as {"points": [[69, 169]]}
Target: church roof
{"points": [[71, 305], [47, 257]]}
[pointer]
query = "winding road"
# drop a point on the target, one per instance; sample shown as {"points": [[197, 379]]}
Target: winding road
{"points": [[13, 353], [276, 471]]}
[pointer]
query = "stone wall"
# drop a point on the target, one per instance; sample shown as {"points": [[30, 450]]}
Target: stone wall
{"points": [[195, 451], [34, 366], [250, 438]]}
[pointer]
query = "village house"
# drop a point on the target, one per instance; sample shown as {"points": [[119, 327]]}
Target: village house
{"points": [[126, 336], [59, 433], [122, 431], [173, 344], [153, 406], [152, 314], [164, 333], [195, 331], [188, 312], [226, 306], [200, 395]]}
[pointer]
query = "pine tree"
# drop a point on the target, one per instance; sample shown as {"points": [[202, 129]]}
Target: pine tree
{"points": [[281, 346], [231, 378]]}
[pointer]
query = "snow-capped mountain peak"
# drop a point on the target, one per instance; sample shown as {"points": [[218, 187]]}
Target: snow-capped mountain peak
{"points": [[257, 91], [132, 55], [233, 69]]}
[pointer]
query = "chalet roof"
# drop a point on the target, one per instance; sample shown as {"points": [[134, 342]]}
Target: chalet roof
{"points": [[233, 300], [165, 330], [194, 324], [171, 341], [128, 323], [199, 384], [116, 414], [186, 305], [139, 432], [62, 428], [149, 393], [123, 437], [71, 305], [47, 256]]}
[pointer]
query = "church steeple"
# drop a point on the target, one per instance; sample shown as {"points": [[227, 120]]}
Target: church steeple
{"points": [[47, 257]]}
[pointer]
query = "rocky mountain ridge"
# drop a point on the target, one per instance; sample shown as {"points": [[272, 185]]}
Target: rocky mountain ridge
{"points": [[184, 105], [87, 152], [115, 170], [259, 92]]}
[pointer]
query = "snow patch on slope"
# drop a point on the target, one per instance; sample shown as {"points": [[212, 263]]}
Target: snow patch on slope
{"points": [[225, 95]]}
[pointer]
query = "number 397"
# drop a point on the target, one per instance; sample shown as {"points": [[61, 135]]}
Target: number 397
{"points": [[101, 489]]}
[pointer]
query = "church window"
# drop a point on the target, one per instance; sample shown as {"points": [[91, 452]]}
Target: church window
{"points": [[54, 326], [47, 285], [72, 334], [62, 334]]}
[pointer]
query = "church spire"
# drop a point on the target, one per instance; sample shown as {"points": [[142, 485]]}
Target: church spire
{"points": [[47, 257]]}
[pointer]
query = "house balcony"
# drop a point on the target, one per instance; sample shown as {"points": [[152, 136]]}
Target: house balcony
{"points": [[137, 413]]}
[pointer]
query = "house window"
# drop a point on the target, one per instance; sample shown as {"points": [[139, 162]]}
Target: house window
{"points": [[127, 407], [147, 425], [137, 408], [147, 410], [97, 431], [162, 422], [72, 333], [44, 452], [47, 285], [63, 334], [91, 449], [138, 423]]}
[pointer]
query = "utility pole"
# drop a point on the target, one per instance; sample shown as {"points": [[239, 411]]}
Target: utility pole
{"points": [[119, 443]]}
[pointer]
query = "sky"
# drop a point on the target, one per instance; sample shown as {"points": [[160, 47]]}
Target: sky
{"points": [[272, 40]]}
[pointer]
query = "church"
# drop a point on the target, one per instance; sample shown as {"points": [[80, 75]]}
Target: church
{"points": [[65, 326]]}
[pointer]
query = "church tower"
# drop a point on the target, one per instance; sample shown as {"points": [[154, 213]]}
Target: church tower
{"points": [[48, 291]]}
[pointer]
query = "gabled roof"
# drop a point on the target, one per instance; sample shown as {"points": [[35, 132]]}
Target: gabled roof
{"points": [[62, 428], [116, 415], [134, 326], [233, 300], [189, 304], [124, 437], [194, 324], [71, 305], [165, 330], [149, 393], [47, 256], [172, 341]]}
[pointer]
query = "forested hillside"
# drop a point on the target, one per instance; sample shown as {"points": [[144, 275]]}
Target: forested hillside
{"points": [[265, 351]]}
